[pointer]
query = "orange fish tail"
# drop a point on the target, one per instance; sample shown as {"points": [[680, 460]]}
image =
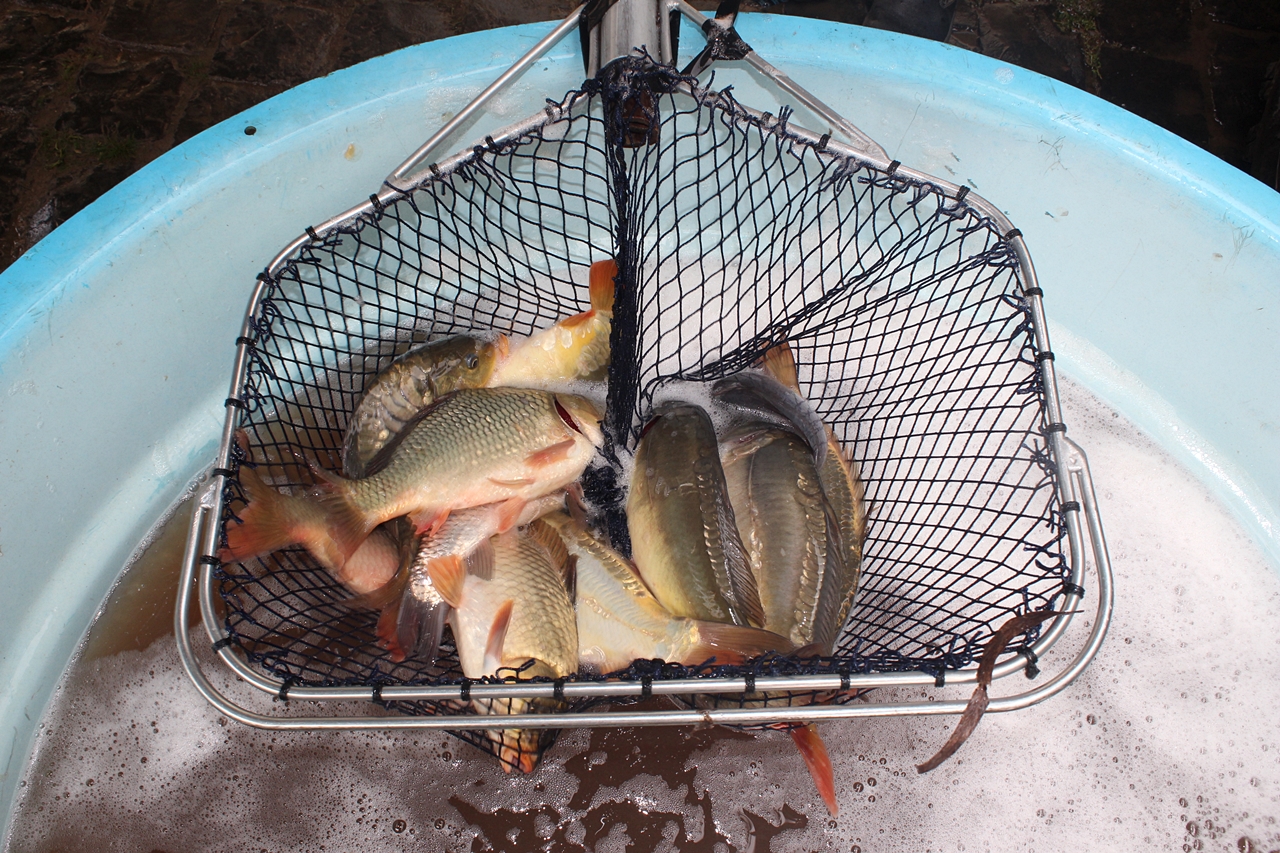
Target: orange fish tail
{"points": [[814, 752], [602, 285], [266, 523]]}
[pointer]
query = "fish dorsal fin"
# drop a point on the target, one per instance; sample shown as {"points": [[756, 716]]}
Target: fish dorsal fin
{"points": [[384, 455], [602, 285], [479, 563], [449, 575], [547, 536], [780, 363], [497, 636]]}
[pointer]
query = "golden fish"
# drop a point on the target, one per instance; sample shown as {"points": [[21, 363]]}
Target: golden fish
{"points": [[576, 348], [684, 538], [512, 607], [620, 621], [415, 380]]}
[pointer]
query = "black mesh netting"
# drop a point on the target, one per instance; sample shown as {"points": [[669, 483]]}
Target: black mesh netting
{"points": [[904, 308]]}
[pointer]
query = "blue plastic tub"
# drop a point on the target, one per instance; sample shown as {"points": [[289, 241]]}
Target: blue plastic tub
{"points": [[1160, 265]]}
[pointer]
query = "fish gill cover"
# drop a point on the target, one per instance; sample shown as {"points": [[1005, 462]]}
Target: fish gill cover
{"points": [[904, 307]]}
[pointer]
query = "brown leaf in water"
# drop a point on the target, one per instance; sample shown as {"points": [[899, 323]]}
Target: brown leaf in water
{"points": [[978, 701]]}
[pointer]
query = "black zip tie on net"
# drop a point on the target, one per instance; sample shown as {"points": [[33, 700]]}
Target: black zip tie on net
{"points": [[311, 232], [1012, 232], [376, 202], [749, 681], [236, 402], [283, 695], [893, 167], [940, 680], [464, 690], [222, 472], [377, 694], [844, 679], [219, 645], [1032, 291], [206, 560], [822, 142], [1056, 427], [1042, 357], [1069, 588], [961, 193], [557, 689], [1032, 659], [245, 341], [1070, 506]]}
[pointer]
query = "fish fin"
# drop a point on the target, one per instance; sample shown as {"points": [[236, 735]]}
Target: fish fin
{"points": [[264, 525], [428, 522], [549, 538], [577, 319], [419, 626], [502, 347], [571, 578], [449, 575], [509, 513], [746, 593], [388, 631], [497, 636], [551, 454], [732, 644], [780, 363], [514, 483], [602, 284], [345, 528], [814, 752], [479, 563]]}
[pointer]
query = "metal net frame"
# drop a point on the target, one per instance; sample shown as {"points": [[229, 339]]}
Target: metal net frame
{"points": [[905, 305]]}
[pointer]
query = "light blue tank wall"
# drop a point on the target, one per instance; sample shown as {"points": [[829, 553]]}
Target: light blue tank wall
{"points": [[1159, 264]]}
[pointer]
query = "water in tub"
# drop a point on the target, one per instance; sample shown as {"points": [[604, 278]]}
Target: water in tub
{"points": [[1169, 740]]}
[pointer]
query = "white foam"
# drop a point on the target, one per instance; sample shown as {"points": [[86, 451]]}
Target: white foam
{"points": [[1178, 708]]}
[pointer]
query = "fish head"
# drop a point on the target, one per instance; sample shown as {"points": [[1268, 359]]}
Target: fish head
{"points": [[465, 361], [582, 416]]}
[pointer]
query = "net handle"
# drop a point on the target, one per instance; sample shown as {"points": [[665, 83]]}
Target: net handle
{"points": [[550, 40], [721, 27]]}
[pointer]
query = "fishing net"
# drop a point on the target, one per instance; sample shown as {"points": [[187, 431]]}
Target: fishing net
{"points": [[904, 307]]}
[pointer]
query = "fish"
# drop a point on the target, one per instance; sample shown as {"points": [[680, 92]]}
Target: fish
{"points": [[415, 380], [472, 447], [574, 349], [371, 567], [620, 620], [413, 623], [684, 538], [841, 484], [789, 531], [515, 609]]}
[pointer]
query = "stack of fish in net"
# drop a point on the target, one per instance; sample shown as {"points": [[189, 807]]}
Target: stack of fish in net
{"points": [[776, 306]]}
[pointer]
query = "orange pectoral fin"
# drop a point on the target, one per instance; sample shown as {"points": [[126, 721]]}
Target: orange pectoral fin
{"points": [[387, 631], [448, 574], [577, 320], [497, 636], [428, 523], [551, 454]]}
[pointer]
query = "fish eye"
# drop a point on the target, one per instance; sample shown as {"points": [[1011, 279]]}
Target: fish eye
{"points": [[472, 361]]}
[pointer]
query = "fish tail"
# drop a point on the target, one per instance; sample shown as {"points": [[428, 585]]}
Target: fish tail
{"points": [[814, 752], [603, 274], [780, 363], [416, 628], [733, 644], [268, 523]]}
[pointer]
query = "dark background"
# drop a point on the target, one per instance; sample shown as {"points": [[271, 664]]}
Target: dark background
{"points": [[91, 90]]}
